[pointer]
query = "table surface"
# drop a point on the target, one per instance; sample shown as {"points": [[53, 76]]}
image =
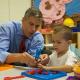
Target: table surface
{"points": [[16, 72]]}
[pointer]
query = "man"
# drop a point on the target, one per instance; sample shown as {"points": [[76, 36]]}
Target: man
{"points": [[11, 35]]}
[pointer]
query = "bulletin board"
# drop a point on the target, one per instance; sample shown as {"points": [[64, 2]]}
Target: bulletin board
{"points": [[71, 8]]}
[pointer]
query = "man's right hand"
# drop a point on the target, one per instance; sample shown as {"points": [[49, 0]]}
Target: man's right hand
{"points": [[28, 59], [21, 58]]}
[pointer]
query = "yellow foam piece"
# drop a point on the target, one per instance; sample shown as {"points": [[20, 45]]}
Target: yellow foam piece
{"points": [[76, 69], [5, 67]]}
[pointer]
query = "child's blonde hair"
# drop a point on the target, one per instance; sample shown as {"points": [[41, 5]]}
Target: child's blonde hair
{"points": [[63, 30]]}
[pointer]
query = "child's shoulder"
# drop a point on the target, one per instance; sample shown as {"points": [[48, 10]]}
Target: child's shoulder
{"points": [[54, 53], [71, 53]]}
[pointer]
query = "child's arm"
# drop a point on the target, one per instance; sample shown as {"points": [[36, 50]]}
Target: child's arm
{"points": [[77, 63], [64, 68]]}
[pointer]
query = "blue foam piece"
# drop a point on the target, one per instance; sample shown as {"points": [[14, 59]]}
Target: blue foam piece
{"points": [[51, 75], [38, 52]]}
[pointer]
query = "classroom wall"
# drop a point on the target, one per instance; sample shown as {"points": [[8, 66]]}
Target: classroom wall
{"points": [[13, 9], [71, 8]]}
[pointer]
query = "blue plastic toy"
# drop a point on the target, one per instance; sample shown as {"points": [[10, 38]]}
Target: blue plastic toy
{"points": [[45, 75]]}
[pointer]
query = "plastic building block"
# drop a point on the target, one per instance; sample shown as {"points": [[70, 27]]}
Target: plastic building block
{"points": [[43, 74]]}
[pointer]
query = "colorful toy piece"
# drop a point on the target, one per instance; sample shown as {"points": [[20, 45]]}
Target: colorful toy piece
{"points": [[39, 71], [31, 72], [5, 67], [14, 77], [76, 70], [72, 78], [38, 52]]}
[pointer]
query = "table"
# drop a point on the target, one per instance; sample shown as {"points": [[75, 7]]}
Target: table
{"points": [[16, 72]]}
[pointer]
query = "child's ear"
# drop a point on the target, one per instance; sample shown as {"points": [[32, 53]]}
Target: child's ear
{"points": [[69, 41]]}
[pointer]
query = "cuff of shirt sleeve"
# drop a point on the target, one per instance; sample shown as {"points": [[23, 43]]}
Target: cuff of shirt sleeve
{"points": [[32, 52], [3, 56]]}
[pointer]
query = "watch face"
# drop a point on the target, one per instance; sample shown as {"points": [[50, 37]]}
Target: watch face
{"points": [[52, 9]]}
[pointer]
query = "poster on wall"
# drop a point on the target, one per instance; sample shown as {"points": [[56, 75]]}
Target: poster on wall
{"points": [[71, 8]]}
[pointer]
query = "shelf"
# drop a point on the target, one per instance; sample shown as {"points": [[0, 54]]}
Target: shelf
{"points": [[47, 34], [48, 45]]}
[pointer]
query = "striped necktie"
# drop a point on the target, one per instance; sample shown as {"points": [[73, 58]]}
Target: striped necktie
{"points": [[22, 47]]}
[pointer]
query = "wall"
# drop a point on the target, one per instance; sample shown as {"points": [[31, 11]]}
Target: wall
{"points": [[73, 7], [13, 9]]}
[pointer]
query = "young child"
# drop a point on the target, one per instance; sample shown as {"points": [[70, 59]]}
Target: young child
{"points": [[62, 58]]}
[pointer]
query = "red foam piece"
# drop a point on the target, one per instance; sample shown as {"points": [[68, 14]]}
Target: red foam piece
{"points": [[39, 71], [14, 77], [7, 78], [32, 72]]}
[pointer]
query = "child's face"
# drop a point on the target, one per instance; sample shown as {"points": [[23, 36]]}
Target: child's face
{"points": [[60, 45]]}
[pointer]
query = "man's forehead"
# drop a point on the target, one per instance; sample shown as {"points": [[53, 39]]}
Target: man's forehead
{"points": [[36, 21]]}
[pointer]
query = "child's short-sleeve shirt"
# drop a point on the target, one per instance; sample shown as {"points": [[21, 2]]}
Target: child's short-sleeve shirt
{"points": [[68, 58]]}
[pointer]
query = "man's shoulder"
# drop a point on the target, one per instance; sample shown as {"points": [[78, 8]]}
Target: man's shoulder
{"points": [[16, 23], [10, 23], [10, 27], [38, 35]]}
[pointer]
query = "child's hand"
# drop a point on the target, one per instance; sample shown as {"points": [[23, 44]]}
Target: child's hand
{"points": [[78, 63], [44, 59], [43, 67], [43, 56]]}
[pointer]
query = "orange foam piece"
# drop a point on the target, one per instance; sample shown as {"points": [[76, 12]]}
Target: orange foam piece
{"points": [[5, 67]]}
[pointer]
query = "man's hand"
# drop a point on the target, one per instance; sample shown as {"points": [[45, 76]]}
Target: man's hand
{"points": [[21, 58], [29, 60]]}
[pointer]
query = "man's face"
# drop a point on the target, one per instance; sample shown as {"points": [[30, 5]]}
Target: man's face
{"points": [[29, 25]]}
